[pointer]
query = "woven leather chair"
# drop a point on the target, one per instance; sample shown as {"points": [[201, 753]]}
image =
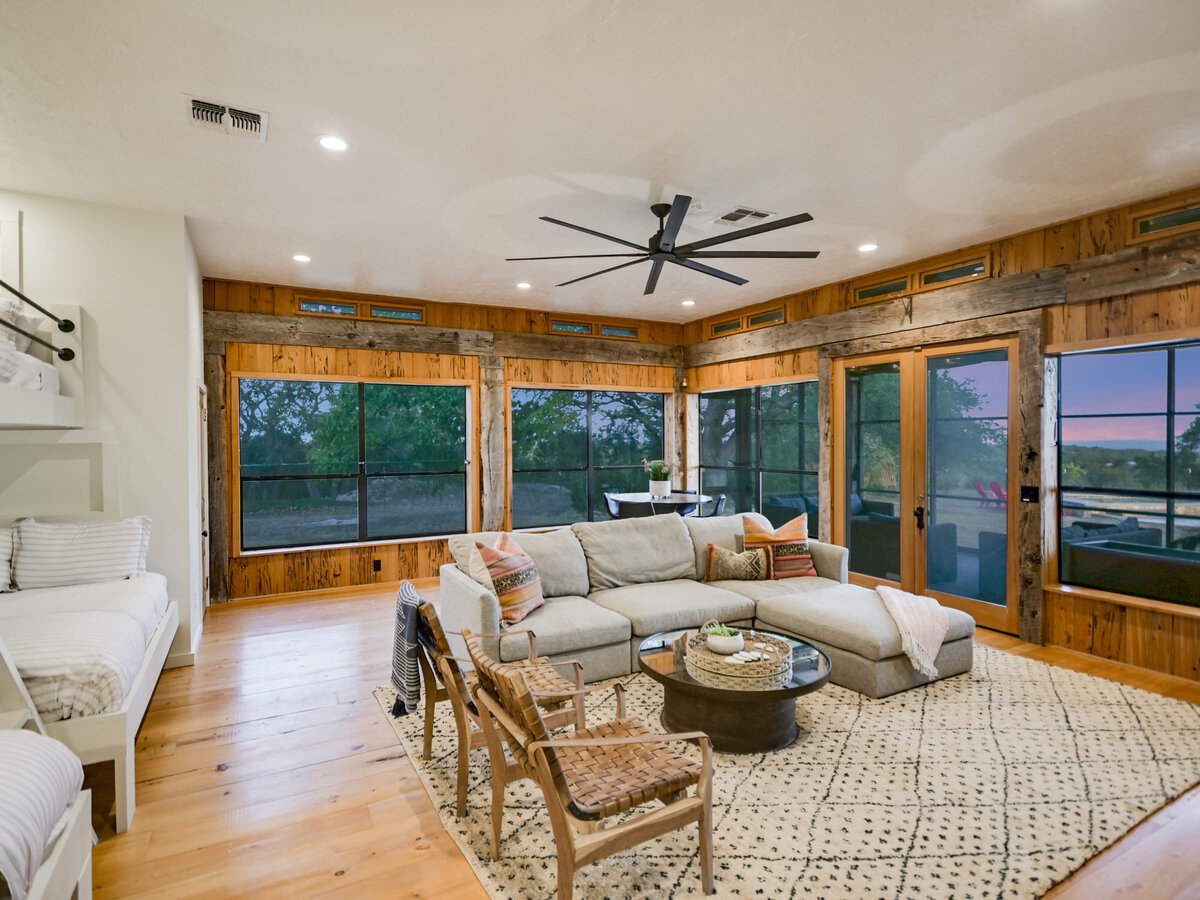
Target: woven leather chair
{"points": [[445, 679], [596, 773]]}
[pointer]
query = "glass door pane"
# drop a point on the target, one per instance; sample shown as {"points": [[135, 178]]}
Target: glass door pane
{"points": [[966, 472], [872, 469]]}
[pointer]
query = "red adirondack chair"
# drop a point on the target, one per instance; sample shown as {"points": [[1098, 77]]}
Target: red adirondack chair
{"points": [[1001, 497]]}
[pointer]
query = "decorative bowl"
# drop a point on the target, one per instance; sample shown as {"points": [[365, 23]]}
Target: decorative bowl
{"points": [[725, 644]]}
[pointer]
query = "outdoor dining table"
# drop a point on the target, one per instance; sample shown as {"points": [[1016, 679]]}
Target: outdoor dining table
{"points": [[676, 501]]}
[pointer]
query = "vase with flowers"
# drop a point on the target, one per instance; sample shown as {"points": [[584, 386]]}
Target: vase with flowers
{"points": [[660, 477]]}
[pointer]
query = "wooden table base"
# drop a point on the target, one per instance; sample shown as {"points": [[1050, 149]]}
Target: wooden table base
{"points": [[747, 723]]}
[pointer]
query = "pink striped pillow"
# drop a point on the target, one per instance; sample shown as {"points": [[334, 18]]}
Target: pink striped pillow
{"points": [[515, 579]]}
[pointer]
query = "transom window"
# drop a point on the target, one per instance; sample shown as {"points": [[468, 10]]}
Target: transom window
{"points": [[324, 462], [569, 447], [1129, 469], [760, 447]]}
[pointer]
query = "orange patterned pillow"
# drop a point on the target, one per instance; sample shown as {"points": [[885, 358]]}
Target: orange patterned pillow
{"points": [[514, 577], [786, 546]]}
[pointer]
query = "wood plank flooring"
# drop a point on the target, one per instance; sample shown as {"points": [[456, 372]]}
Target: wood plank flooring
{"points": [[268, 770]]}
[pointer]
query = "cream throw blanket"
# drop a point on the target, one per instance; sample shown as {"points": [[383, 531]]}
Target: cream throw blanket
{"points": [[922, 623]]}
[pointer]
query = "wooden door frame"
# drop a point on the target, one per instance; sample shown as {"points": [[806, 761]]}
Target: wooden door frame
{"points": [[913, 362]]}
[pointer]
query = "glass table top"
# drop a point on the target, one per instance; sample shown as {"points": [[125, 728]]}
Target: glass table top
{"points": [[662, 656]]}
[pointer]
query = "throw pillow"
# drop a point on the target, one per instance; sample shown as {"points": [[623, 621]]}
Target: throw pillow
{"points": [[49, 555], [750, 565], [14, 311], [786, 546], [514, 578], [6, 552]]}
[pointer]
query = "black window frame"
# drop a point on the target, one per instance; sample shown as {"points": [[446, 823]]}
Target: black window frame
{"points": [[758, 469], [1169, 496], [361, 477], [590, 468]]}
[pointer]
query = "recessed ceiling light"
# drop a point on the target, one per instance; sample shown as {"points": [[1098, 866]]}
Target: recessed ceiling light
{"points": [[867, 248], [332, 142], [689, 302], [524, 285], [301, 257]]}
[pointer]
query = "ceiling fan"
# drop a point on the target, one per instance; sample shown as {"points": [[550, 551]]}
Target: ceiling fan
{"points": [[661, 247]]}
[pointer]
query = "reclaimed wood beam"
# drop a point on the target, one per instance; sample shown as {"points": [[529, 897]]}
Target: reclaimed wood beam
{"points": [[1140, 268], [959, 303]]}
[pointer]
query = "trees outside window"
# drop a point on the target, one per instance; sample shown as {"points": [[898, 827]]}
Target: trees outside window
{"points": [[569, 447], [325, 462], [760, 447]]}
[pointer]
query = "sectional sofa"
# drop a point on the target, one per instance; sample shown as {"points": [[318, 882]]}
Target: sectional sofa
{"points": [[609, 585]]}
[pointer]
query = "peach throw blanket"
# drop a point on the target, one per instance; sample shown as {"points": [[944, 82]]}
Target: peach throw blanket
{"points": [[922, 623]]}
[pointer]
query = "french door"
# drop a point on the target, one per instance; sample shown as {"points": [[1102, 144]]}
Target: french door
{"points": [[924, 474]]}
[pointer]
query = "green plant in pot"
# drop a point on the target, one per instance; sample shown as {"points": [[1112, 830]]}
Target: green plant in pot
{"points": [[660, 477], [722, 638]]}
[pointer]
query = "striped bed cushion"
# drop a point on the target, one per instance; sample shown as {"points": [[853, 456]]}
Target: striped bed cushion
{"points": [[49, 555], [6, 552], [786, 546], [510, 573]]}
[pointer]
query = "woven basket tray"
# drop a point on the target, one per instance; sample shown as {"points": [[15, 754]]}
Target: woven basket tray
{"points": [[778, 663]]}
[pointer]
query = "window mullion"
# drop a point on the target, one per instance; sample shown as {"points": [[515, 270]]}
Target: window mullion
{"points": [[362, 461]]}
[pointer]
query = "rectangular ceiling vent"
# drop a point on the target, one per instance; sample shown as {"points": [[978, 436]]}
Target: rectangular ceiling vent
{"points": [[742, 216], [231, 120]]}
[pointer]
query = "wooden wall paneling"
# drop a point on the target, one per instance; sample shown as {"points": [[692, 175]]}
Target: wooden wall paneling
{"points": [[1102, 233], [1030, 374], [1149, 639], [1060, 620], [1061, 244], [216, 382], [1186, 648]]}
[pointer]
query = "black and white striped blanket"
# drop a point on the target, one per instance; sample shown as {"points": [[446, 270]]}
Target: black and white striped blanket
{"points": [[406, 678]]}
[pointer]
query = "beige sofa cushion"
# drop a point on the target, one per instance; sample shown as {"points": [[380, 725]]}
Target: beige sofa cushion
{"points": [[846, 616], [722, 531], [636, 551], [564, 625], [557, 554], [667, 605]]}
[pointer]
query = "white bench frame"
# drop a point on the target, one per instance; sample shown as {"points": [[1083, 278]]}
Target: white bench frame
{"points": [[110, 736], [67, 872]]}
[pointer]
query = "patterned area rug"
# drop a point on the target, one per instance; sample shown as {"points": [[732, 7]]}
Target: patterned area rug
{"points": [[999, 783]]}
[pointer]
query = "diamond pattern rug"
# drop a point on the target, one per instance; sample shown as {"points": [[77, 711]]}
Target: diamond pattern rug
{"points": [[998, 783]]}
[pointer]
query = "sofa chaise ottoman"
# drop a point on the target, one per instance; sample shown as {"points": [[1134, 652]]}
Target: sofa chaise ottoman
{"points": [[609, 585]]}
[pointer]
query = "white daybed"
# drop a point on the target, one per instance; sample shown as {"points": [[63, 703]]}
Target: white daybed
{"points": [[45, 817], [90, 655]]}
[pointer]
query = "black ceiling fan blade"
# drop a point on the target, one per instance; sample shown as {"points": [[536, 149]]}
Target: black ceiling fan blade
{"points": [[751, 254], [575, 256], [607, 237], [632, 262], [674, 222], [652, 281], [746, 232], [707, 270]]}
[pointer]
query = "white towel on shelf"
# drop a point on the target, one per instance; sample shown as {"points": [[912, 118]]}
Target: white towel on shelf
{"points": [[922, 623]]}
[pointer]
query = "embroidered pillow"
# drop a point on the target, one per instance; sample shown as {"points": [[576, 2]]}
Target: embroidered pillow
{"points": [[786, 546], [752, 565], [514, 578]]}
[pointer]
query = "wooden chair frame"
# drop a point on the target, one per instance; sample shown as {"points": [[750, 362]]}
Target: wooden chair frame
{"points": [[444, 679], [581, 840]]}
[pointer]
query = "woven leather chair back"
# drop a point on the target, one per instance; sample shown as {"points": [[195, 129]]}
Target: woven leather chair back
{"points": [[433, 642]]}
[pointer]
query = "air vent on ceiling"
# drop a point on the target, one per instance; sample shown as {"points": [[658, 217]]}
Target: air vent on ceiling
{"points": [[228, 119], [741, 216]]}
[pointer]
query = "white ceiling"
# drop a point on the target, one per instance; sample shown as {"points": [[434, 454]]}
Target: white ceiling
{"points": [[921, 126]]}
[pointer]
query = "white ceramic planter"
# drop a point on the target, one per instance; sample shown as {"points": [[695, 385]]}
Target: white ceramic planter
{"points": [[725, 644], [660, 489]]}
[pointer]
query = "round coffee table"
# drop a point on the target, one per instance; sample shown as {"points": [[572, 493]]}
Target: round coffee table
{"points": [[737, 720]]}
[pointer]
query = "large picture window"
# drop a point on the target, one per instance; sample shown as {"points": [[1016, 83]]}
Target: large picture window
{"points": [[760, 447], [570, 447], [1129, 471], [323, 462]]}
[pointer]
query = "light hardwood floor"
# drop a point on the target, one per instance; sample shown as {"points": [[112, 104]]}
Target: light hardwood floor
{"points": [[268, 770]]}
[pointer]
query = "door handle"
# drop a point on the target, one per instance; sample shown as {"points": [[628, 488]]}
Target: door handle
{"points": [[919, 512]]}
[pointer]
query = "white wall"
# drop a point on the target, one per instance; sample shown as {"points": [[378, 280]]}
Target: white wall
{"points": [[136, 278]]}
